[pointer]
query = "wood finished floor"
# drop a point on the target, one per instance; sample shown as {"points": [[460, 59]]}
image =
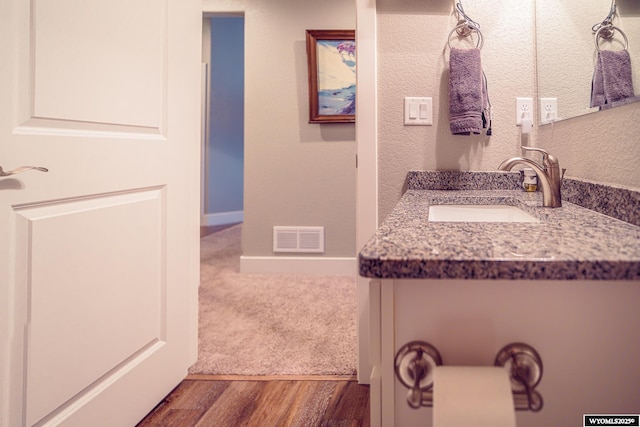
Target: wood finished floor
{"points": [[273, 403], [227, 402]]}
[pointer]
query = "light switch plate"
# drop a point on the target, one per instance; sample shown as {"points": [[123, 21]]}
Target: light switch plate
{"points": [[418, 111]]}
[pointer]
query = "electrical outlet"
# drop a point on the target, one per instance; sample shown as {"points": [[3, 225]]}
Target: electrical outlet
{"points": [[524, 108], [548, 110]]}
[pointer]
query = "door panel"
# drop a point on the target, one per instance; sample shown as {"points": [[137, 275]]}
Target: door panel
{"points": [[111, 263], [99, 255], [123, 61]]}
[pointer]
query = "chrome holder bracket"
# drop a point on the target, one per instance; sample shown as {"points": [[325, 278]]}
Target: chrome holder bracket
{"points": [[525, 372], [414, 366], [416, 361]]}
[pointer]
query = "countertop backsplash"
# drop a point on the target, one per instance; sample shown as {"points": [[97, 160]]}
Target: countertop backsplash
{"points": [[618, 202]]}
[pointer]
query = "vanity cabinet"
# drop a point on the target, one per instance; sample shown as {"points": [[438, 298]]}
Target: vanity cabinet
{"points": [[567, 285]]}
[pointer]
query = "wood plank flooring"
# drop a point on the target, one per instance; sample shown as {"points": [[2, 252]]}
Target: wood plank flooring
{"points": [[273, 403]]}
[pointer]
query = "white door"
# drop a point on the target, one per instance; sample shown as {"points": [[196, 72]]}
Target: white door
{"points": [[99, 255]]}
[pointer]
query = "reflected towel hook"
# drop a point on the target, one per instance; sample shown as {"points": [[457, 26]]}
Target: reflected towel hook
{"points": [[465, 27], [21, 169], [606, 22], [466, 19], [606, 32]]}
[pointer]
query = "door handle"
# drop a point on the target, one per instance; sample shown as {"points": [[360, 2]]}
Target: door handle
{"points": [[21, 169]]}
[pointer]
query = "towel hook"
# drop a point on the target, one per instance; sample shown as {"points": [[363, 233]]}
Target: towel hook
{"points": [[606, 29], [607, 23], [471, 24]]}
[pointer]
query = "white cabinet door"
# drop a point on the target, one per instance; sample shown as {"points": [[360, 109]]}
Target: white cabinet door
{"points": [[99, 255]]}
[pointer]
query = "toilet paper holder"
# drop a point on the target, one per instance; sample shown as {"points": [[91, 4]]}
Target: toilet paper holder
{"points": [[415, 363]]}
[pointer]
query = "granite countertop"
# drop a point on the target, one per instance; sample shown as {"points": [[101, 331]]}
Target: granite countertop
{"points": [[569, 243]]}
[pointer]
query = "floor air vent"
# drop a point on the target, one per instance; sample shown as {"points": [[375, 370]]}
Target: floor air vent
{"points": [[298, 239]]}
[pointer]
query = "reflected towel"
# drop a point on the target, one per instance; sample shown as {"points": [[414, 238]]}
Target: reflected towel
{"points": [[612, 81], [468, 98]]}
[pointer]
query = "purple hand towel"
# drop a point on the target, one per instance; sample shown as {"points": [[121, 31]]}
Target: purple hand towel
{"points": [[612, 81], [467, 92]]}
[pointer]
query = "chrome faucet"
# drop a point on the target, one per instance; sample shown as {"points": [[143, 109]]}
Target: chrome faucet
{"points": [[549, 176]]}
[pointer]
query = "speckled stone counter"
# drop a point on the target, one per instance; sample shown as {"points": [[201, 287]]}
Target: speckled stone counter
{"points": [[569, 243]]}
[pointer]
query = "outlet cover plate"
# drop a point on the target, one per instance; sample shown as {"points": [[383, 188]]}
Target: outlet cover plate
{"points": [[548, 110], [523, 106]]}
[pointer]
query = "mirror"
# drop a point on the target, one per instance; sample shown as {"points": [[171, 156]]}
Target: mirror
{"points": [[566, 50]]}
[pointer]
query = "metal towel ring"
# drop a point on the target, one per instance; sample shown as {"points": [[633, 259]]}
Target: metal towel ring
{"points": [[464, 29], [608, 34]]}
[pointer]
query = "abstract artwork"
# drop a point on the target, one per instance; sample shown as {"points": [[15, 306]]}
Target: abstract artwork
{"points": [[331, 57]]}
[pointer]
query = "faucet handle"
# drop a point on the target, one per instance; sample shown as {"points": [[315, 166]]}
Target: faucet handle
{"points": [[548, 159]]}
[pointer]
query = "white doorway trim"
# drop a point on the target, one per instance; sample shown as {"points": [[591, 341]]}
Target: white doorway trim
{"points": [[367, 174]]}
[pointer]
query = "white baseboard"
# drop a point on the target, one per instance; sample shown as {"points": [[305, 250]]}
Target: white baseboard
{"points": [[222, 218], [298, 265]]}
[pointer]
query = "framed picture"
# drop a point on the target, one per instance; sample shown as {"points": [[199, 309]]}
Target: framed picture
{"points": [[331, 60]]}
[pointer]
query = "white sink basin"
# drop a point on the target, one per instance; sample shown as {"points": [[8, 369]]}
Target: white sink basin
{"points": [[478, 213]]}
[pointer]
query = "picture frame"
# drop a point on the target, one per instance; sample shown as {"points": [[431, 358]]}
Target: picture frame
{"points": [[331, 63]]}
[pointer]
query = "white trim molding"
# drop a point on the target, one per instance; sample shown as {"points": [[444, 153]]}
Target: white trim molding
{"points": [[222, 218], [298, 265], [367, 175]]}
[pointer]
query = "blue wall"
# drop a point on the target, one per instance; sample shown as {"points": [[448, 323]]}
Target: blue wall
{"points": [[226, 134]]}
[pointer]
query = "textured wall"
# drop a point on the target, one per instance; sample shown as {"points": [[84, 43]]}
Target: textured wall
{"points": [[305, 172], [296, 173], [602, 146], [226, 136], [413, 61], [569, 23]]}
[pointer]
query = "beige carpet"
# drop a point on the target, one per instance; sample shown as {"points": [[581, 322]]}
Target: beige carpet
{"points": [[261, 324]]}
